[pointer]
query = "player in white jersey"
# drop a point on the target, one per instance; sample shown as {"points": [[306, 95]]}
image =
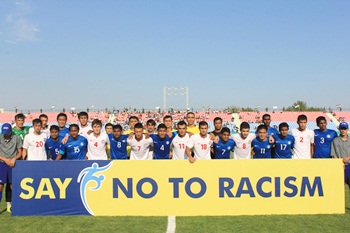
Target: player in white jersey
{"points": [[180, 141], [200, 143], [304, 140], [243, 142], [97, 142], [84, 127], [33, 145], [44, 126], [140, 145]]}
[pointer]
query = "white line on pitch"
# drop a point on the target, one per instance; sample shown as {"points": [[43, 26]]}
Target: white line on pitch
{"points": [[171, 224]]}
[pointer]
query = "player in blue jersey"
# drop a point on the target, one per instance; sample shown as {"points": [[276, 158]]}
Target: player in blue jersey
{"points": [[284, 142], [118, 143], [53, 143], [76, 146], [162, 142], [261, 147], [323, 139], [62, 121], [224, 146], [266, 119]]}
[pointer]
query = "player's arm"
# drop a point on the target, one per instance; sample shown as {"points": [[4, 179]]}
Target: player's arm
{"points": [[189, 155], [271, 139], [252, 152], [5, 160], [312, 149], [65, 139], [333, 152], [24, 153], [58, 156]]}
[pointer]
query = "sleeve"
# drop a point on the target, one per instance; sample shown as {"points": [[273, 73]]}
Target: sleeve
{"points": [[333, 152], [190, 143], [26, 143], [312, 137], [107, 139], [62, 149], [233, 145], [293, 141], [19, 142]]}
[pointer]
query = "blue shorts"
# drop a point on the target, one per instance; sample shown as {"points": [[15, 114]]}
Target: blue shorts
{"points": [[347, 174], [5, 173]]}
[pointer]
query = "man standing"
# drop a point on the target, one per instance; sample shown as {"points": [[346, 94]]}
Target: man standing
{"points": [[191, 126], [84, 127], [243, 142], [10, 151], [33, 145], [180, 141], [76, 146], [222, 149], [200, 143], [19, 128], [44, 128], [97, 142], [139, 144], [323, 139], [341, 149], [118, 143], [162, 142], [304, 140]]}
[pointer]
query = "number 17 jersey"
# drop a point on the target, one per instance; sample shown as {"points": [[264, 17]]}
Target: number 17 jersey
{"points": [[283, 146]]}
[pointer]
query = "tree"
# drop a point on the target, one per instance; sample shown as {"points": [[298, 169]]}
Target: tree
{"points": [[233, 109]]}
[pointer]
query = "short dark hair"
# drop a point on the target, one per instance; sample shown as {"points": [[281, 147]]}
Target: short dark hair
{"points": [[80, 114], [244, 125], [118, 127], [202, 123], [166, 117], [266, 115], [302, 118], [134, 117], [73, 126], [43, 116], [225, 130], [96, 122], [150, 122], [283, 125], [36, 121], [108, 124], [60, 115], [181, 123], [217, 119], [319, 119], [190, 113], [138, 126], [161, 126], [260, 127], [54, 127], [20, 116]]}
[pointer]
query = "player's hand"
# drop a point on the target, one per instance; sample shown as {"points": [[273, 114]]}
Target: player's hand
{"points": [[192, 159], [12, 162], [271, 140], [7, 161], [147, 135], [131, 135], [65, 139], [170, 155], [216, 139], [89, 132], [346, 160]]}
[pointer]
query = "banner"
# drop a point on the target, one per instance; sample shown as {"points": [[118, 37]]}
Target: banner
{"points": [[162, 188]]}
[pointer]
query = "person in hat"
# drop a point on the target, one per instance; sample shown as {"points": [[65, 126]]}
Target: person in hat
{"points": [[341, 149], [10, 151]]}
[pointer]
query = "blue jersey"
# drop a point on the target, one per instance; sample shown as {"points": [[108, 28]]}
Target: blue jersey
{"points": [[283, 146], [323, 143], [63, 132], [161, 147], [118, 146], [262, 149], [222, 149], [270, 131], [52, 147], [74, 148]]}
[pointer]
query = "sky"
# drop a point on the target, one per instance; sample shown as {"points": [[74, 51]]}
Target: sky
{"points": [[113, 53]]}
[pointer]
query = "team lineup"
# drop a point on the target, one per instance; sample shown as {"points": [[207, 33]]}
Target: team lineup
{"points": [[151, 141]]}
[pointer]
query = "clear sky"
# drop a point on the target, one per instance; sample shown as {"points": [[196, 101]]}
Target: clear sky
{"points": [[110, 53]]}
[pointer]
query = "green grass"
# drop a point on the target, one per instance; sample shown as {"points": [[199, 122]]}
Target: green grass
{"points": [[273, 223]]}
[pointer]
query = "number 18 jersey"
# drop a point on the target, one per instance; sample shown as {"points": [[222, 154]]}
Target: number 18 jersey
{"points": [[201, 146]]}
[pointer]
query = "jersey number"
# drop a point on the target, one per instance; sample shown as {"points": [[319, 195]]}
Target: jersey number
{"points": [[204, 146], [96, 144], [301, 139], [162, 147], [138, 148], [182, 145], [322, 140], [283, 146], [262, 151], [39, 144], [244, 146]]}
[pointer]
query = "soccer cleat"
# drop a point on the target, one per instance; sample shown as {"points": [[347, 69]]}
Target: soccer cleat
{"points": [[9, 209]]}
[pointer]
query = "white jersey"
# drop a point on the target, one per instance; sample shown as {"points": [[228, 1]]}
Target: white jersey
{"points": [[35, 145], [302, 144], [46, 131], [83, 131], [201, 146], [97, 146], [140, 149], [243, 147], [179, 146]]}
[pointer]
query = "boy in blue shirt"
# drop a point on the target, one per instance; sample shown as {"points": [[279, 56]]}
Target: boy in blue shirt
{"points": [[76, 146], [323, 139], [53, 143], [162, 142], [284, 142], [261, 147], [224, 146], [118, 143]]}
